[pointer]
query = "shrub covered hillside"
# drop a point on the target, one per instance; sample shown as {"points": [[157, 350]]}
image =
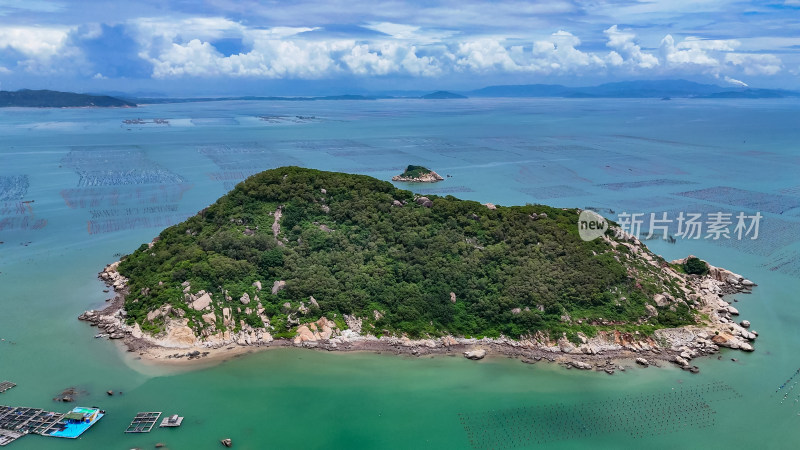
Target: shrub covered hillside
{"points": [[419, 266]]}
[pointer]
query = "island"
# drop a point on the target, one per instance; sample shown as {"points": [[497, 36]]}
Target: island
{"points": [[418, 174], [442, 95], [54, 99], [314, 259]]}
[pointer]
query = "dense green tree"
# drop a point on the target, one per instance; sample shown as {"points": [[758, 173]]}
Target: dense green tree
{"points": [[513, 270]]}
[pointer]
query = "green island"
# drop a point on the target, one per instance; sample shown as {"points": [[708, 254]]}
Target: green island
{"points": [[418, 174], [55, 99], [337, 245]]}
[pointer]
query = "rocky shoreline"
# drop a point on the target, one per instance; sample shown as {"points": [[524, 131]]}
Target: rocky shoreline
{"points": [[430, 177], [604, 352]]}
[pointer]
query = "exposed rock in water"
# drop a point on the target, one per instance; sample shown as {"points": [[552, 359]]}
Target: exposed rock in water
{"points": [[642, 361], [227, 443], [580, 365], [68, 395], [475, 354]]}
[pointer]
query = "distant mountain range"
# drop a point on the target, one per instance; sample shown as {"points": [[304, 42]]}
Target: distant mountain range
{"points": [[631, 89], [438, 95], [56, 99], [664, 89]]}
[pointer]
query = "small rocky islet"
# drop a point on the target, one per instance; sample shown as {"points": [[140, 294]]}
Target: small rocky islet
{"points": [[418, 174], [652, 310]]}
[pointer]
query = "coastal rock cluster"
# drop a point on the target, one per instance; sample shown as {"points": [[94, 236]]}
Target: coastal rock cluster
{"points": [[177, 332], [676, 345], [429, 177]]}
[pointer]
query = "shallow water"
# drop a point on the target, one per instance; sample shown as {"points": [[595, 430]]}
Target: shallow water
{"points": [[582, 153]]}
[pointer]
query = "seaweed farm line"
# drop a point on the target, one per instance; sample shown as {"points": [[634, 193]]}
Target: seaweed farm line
{"points": [[636, 415]]}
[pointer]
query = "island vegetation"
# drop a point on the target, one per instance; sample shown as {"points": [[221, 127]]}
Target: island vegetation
{"points": [[55, 99], [340, 245]]}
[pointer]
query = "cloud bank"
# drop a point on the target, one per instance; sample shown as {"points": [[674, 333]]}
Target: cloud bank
{"points": [[434, 41]]}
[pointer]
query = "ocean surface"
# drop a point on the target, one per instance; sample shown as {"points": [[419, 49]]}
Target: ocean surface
{"points": [[80, 187]]}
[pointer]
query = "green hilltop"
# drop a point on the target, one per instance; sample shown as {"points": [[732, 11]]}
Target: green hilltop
{"points": [[413, 171], [417, 266]]}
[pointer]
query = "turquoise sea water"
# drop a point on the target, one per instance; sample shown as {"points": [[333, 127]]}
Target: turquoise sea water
{"points": [[102, 188]]}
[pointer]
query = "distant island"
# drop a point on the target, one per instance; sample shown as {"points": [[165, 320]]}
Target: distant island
{"points": [[656, 89], [54, 99], [302, 257], [442, 95], [418, 174]]}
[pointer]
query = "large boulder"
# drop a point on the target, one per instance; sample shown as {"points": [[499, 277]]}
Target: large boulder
{"points": [[681, 361], [580, 365], [746, 347], [475, 354], [245, 299], [178, 335], [304, 334], [210, 318], [278, 286], [662, 299], [202, 302]]}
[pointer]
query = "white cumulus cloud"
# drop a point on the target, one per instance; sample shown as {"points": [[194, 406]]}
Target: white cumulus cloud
{"points": [[755, 64], [682, 54], [484, 55], [558, 53], [623, 43]]}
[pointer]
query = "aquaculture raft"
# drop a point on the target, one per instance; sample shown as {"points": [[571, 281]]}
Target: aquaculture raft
{"points": [[171, 421], [16, 422], [143, 422], [7, 437], [6, 385], [74, 423]]}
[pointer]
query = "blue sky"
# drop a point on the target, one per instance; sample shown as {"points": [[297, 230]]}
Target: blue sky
{"points": [[309, 47]]}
